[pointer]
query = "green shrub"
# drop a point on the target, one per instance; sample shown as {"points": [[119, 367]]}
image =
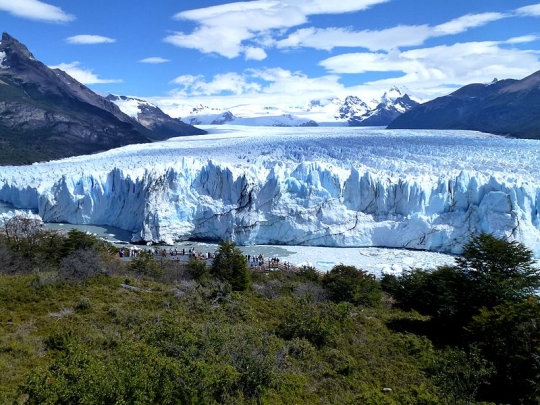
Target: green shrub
{"points": [[198, 269], [318, 323], [349, 284], [146, 264]]}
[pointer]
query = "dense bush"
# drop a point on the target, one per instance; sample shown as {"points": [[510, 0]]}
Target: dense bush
{"points": [[349, 284], [82, 264]]}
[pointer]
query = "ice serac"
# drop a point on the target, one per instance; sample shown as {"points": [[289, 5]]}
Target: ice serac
{"points": [[310, 205], [319, 191]]}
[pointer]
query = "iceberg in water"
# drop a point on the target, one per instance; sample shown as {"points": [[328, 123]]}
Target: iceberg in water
{"points": [[297, 186]]}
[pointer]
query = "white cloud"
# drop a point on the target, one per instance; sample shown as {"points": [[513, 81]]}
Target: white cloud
{"points": [[386, 39], [154, 60], [531, 11], [270, 87], [252, 53], [35, 10], [89, 40], [226, 28], [226, 41], [311, 7], [329, 38], [523, 39], [228, 83], [428, 69], [84, 76], [466, 22]]}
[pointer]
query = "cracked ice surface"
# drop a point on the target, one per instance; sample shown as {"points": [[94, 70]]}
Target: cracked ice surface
{"points": [[330, 186]]}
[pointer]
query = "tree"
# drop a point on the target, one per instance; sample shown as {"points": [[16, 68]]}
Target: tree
{"points": [[509, 337], [460, 373], [498, 270], [22, 233], [439, 293], [231, 265], [349, 284]]}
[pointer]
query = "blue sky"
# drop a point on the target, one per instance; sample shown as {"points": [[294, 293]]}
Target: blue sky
{"points": [[278, 52]]}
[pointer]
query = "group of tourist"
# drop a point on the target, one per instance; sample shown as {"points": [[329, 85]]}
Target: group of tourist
{"points": [[173, 253]]}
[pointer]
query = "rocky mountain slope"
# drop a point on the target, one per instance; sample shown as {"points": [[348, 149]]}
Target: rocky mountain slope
{"points": [[152, 117], [505, 107], [393, 104], [46, 114]]}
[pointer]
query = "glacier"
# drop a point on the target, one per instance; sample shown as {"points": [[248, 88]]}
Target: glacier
{"points": [[338, 187]]}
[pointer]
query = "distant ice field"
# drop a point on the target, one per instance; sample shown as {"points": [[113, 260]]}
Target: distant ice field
{"points": [[396, 153]]}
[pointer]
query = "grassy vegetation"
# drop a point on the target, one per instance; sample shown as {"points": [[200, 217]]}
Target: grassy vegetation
{"points": [[77, 326]]}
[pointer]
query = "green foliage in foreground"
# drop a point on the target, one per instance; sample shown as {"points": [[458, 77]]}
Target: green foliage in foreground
{"points": [[81, 333], [486, 310], [98, 342], [231, 266]]}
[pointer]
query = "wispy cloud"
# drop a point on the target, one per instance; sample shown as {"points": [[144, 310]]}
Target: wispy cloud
{"points": [[523, 39], [35, 10], [233, 29], [447, 65], [531, 11], [154, 60], [274, 86], [82, 75], [390, 38], [89, 40]]}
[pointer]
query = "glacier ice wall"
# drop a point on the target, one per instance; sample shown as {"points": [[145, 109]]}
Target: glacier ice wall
{"points": [[320, 200]]}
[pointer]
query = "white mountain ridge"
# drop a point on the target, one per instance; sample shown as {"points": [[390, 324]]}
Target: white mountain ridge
{"points": [[336, 112]]}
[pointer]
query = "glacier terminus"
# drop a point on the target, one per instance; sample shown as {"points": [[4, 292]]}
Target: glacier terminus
{"points": [[313, 186]]}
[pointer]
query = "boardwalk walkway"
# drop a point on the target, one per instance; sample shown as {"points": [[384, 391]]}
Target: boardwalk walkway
{"points": [[180, 260]]}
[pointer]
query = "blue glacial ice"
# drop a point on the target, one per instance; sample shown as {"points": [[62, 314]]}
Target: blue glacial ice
{"points": [[338, 186]]}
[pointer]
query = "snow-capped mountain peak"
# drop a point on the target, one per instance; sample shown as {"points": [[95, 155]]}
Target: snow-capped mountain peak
{"points": [[392, 95], [129, 105], [152, 117]]}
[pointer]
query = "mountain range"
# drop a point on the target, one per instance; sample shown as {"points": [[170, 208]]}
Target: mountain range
{"points": [[350, 111], [46, 114], [504, 107]]}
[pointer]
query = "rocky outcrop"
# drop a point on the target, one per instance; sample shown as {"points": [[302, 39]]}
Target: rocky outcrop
{"points": [[393, 104]]}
